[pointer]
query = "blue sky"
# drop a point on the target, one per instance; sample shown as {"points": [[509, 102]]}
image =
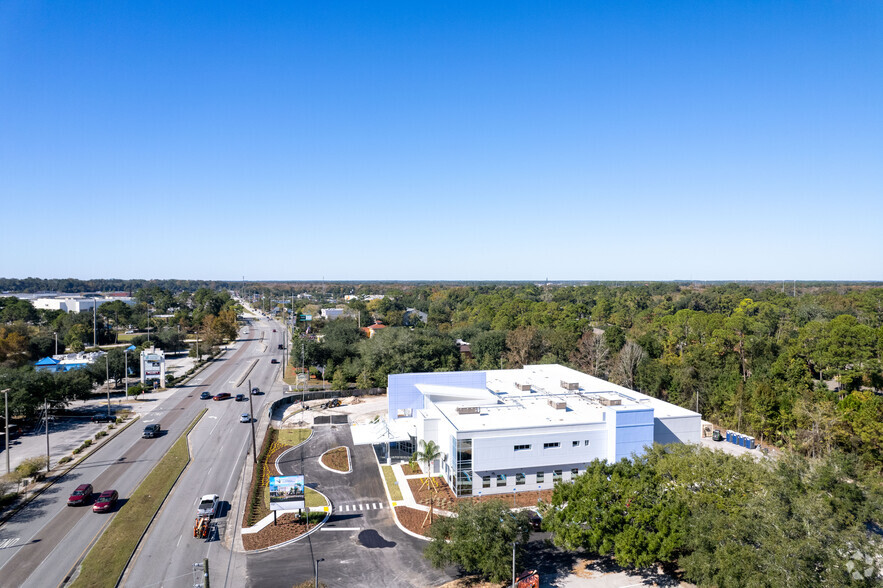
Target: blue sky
{"points": [[442, 140]]}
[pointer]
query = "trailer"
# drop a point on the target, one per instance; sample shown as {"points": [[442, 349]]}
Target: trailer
{"points": [[205, 512], [202, 527], [528, 579]]}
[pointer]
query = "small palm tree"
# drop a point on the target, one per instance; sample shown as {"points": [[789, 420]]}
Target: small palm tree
{"points": [[428, 452]]}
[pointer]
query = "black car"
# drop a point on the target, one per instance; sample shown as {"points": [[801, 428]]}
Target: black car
{"points": [[256, 391], [274, 360], [151, 431], [103, 418], [240, 397], [205, 396], [536, 521]]}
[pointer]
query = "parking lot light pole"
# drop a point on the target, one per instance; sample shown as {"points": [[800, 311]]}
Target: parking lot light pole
{"points": [[317, 570], [6, 402], [513, 564], [56, 343]]}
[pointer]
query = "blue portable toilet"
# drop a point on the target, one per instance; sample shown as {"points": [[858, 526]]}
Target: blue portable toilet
{"points": [[751, 443], [729, 436], [739, 440], [743, 440]]}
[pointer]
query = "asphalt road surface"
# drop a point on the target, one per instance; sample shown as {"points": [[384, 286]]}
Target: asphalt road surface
{"points": [[43, 543], [219, 447], [361, 544]]}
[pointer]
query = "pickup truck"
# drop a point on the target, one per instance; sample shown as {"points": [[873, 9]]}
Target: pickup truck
{"points": [[208, 506]]}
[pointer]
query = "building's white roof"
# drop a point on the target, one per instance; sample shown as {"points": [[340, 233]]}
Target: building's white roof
{"points": [[504, 405]]}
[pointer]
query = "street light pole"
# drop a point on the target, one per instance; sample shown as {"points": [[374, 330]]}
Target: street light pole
{"points": [[94, 322], [317, 570], [107, 376], [126, 371], [513, 564], [254, 443], [46, 409], [6, 402], [56, 343]]}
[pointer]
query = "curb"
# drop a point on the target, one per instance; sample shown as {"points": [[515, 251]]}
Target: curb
{"points": [[299, 537], [393, 504], [65, 472], [349, 460]]}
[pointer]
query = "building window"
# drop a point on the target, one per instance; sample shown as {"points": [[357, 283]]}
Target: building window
{"points": [[520, 479], [576, 443], [540, 476], [522, 448], [555, 445], [574, 472], [556, 476], [463, 478], [501, 480], [586, 442], [485, 481]]}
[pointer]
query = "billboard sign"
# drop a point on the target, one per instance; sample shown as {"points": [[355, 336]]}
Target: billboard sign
{"points": [[286, 492]]}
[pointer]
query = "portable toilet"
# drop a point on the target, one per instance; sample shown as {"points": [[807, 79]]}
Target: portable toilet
{"points": [[743, 440], [740, 439], [729, 436], [751, 443]]}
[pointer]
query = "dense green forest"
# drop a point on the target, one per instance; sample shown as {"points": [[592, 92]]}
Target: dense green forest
{"points": [[800, 371]]}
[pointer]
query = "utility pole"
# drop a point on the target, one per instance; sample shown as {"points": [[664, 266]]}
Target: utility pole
{"points": [[107, 375], [46, 412], [6, 399], [254, 443], [95, 322]]}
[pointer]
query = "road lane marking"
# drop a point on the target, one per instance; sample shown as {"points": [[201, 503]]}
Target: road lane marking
{"points": [[326, 528], [6, 543]]}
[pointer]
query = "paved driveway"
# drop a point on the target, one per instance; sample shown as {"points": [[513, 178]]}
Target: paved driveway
{"points": [[361, 544]]}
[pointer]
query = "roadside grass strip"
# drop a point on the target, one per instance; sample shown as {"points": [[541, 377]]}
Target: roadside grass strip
{"points": [[395, 493], [293, 437], [107, 560]]}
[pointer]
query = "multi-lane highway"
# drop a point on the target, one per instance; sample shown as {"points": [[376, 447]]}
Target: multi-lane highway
{"points": [[219, 448], [42, 544]]}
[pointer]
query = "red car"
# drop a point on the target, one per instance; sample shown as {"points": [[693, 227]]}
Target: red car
{"points": [[221, 396], [82, 495], [105, 501]]}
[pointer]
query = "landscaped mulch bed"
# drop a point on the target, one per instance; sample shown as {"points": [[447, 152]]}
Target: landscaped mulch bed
{"points": [[288, 526], [337, 459], [442, 497], [446, 500], [412, 519], [411, 471]]}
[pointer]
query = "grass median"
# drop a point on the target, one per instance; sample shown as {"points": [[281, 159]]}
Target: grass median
{"points": [[107, 560]]}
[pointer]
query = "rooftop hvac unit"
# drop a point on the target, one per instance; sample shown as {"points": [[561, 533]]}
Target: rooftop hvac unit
{"points": [[558, 404], [522, 387], [468, 410], [611, 401], [570, 385]]}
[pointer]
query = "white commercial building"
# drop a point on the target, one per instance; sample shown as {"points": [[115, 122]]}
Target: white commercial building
{"points": [[77, 303], [511, 430]]}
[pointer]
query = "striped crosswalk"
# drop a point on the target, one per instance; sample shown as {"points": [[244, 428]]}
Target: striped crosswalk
{"points": [[358, 507], [5, 543]]}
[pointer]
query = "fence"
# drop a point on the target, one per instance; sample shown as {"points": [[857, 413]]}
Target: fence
{"points": [[292, 397]]}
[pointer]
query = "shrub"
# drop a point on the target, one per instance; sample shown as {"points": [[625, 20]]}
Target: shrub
{"points": [[30, 467], [64, 460]]}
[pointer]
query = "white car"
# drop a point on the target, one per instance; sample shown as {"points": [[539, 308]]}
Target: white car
{"points": [[208, 505], [245, 418]]}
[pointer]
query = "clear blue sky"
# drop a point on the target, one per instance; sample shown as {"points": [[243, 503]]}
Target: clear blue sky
{"points": [[442, 140]]}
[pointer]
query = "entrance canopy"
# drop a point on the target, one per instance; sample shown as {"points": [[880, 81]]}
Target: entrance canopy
{"points": [[383, 431]]}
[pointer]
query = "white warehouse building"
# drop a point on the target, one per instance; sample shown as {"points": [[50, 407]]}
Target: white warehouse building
{"points": [[525, 429]]}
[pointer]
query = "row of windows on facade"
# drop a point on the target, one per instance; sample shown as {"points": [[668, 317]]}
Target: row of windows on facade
{"points": [[521, 479], [554, 445]]}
